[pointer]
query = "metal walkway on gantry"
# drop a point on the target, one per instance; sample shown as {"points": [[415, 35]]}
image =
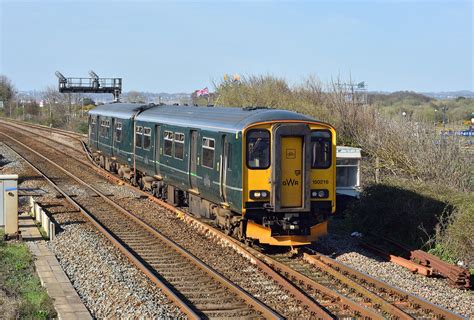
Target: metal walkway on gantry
{"points": [[94, 84]]}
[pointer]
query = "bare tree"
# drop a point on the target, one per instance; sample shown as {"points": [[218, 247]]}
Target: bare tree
{"points": [[7, 92], [135, 97]]}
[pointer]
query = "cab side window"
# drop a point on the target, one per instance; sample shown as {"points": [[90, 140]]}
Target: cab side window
{"points": [[258, 149], [321, 149]]}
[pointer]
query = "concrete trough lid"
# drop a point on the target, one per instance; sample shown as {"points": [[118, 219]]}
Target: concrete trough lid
{"points": [[9, 177]]}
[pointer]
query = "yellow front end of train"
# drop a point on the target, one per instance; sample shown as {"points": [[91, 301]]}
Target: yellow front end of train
{"points": [[289, 183]]}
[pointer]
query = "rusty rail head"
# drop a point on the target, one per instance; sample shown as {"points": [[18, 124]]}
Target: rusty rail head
{"points": [[71, 134], [437, 311], [312, 306], [183, 306], [408, 264], [442, 313], [457, 276], [254, 302], [384, 305]]}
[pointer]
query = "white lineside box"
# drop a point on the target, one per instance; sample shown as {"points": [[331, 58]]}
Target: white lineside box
{"points": [[43, 219], [9, 204]]}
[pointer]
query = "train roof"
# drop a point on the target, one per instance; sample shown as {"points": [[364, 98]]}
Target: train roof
{"points": [[118, 110], [216, 118], [213, 118]]}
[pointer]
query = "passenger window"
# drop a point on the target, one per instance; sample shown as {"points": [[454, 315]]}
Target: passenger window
{"points": [[146, 138], [103, 129], [118, 132], [321, 149], [258, 149], [168, 146], [138, 136], [208, 152], [179, 145]]}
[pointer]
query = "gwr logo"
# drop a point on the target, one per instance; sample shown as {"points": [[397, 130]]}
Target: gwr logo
{"points": [[290, 182]]}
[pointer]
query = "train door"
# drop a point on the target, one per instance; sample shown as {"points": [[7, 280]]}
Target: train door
{"points": [[93, 131], [224, 165], [291, 171], [291, 167], [112, 136], [193, 158], [157, 148]]}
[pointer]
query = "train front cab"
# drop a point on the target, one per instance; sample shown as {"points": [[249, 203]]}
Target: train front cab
{"points": [[289, 181]]}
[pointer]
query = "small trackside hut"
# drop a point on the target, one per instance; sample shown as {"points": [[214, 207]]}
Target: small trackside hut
{"points": [[261, 174]]}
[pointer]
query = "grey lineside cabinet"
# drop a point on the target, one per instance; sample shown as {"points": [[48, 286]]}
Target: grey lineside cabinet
{"points": [[9, 203]]}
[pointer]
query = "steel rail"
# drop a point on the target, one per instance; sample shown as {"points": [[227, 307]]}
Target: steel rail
{"points": [[70, 134], [245, 251], [252, 301], [375, 299], [183, 306], [426, 306], [308, 303]]}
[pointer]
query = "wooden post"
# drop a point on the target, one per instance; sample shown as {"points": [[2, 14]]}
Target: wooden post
{"points": [[377, 170]]}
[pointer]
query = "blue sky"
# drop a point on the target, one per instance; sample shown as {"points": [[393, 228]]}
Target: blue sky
{"points": [[182, 46]]}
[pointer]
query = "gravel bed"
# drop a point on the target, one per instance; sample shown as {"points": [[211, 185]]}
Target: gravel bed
{"points": [[435, 290], [61, 137], [206, 249], [220, 257], [107, 283], [344, 249]]}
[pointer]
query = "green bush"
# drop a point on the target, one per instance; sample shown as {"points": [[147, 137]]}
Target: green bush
{"points": [[455, 232], [82, 127]]}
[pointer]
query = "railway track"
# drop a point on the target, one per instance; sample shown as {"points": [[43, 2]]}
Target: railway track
{"points": [[81, 167], [377, 295], [408, 303], [339, 290], [198, 290], [67, 133]]}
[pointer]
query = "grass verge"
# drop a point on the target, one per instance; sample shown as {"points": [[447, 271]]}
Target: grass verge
{"points": [[21, 293]]}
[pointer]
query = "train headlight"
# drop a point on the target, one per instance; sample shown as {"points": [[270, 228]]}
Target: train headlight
{"points": [[259, 194], [321, 194]]}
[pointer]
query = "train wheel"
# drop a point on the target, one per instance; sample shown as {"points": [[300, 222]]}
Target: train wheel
{"points": [[227, 226], [241, 232], [120, 173]]}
